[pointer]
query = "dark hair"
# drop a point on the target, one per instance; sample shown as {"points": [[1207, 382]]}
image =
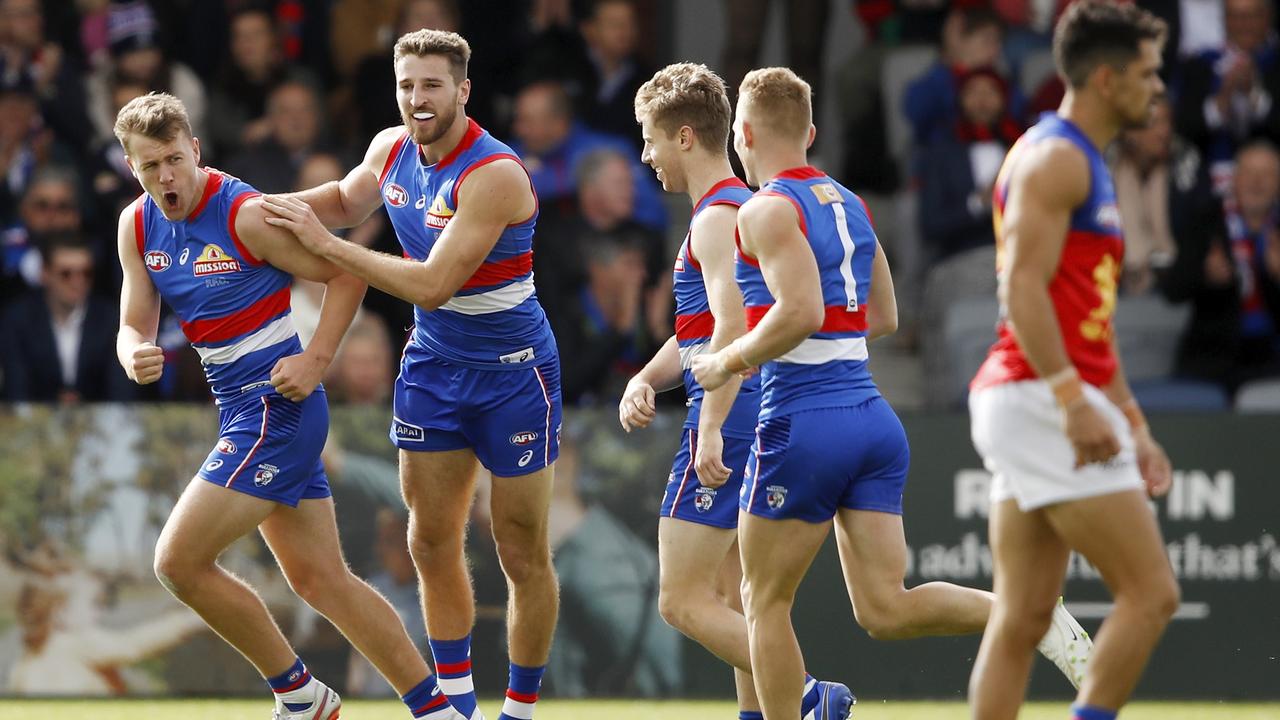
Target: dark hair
{"points": [[1093, 32], [979, 17], [50, 243]]}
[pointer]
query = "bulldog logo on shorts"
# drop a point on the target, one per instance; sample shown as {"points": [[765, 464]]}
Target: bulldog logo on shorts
{"points": [[776, 496], [703, 498], [265, 474]]}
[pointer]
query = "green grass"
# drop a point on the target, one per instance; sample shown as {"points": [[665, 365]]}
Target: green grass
{"points": [[586, 710]]}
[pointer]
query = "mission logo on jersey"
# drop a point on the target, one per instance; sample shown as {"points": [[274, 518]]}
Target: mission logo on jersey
{"points": [[439, 214], [213, 261]]}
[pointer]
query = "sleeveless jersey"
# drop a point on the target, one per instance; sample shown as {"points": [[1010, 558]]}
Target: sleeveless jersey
{"points": [[1083, 288], [494, 320], [233, 307], [828, 368], [695, 324]]}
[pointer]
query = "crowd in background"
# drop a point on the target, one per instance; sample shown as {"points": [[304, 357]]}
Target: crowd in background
{"points": [[287, 94]]}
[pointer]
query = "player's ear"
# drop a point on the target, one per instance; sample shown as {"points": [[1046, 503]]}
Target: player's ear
{"points": [[813, 134], [464, 91], [686, 137], [195, 149]]}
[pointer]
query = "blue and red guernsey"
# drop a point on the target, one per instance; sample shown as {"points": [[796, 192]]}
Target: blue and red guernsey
{"points": [[234, 308], [828, 368], [695, 324], [494, 320], [1083, 288]]}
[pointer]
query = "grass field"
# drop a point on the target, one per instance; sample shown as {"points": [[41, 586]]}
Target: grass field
{"points": [[587, 710]]}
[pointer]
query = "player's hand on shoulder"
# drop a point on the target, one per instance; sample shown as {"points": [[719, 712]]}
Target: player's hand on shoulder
{"points": [[1153, 463], [1090, 433], [146, 364], [297, 376], [638, 407], [294, 215], [709, 460]]}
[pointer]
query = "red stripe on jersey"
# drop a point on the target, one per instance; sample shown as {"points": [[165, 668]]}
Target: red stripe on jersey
{"points": [[453, 193], [454, 668], [807, 172], [725, 183], [837, 318], [231, 227], [746, 258], [500, 271], [210, 187], [527, 698], [139, 232], [695, 325], [474, 131], [391, 159], [239, 323], [1090, 236]]}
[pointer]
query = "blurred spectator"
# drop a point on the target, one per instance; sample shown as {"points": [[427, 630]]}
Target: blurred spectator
{"points": [[50, 205], [133, 35], [1228, 266], [114, 184], [958, 170], [294, 116], [1160, 184], [1232, 94], [971, 39], [551, 144], [611, 71], [24, 144], [745, 22], [29, 59], [360, 29], [363, 372], [255, 66], [59, 344], [605, 327], [374, 86], [606, 195]]}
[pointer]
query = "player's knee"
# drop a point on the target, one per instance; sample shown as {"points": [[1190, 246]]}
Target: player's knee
{"points": [[676, 608], [523, 561], [316, 584], [176, 575], [1025, 623], [430, 543], [1155, 601], [881, 621]]}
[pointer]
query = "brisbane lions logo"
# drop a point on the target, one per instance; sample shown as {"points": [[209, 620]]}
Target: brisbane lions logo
{"points": [[396, 195], [157, 260]]}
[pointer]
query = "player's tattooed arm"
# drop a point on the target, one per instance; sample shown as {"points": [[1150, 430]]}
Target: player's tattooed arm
{"points": [[136, 350]]}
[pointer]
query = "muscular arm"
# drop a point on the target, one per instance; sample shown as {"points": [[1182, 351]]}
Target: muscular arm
{"points": [[882, 305], [139, 306], [1049, 182], [711, 238], [663, 371], [342, 294], [769, 230], [347, 202], [492, 197]]}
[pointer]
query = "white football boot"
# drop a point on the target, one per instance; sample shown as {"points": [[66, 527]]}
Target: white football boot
{"points": [[1067, 645], [315, 701]]}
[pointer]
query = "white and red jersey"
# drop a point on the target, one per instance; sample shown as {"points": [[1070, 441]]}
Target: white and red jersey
{"points": [[233, 307], [1084, 285], [828, 368], [494, 320]]}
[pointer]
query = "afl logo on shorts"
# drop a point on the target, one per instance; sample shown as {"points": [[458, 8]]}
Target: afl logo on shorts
{"points": [[157, 260], [523, 438], [704, 498], [396, 195], [226, 447], [776, 496]]}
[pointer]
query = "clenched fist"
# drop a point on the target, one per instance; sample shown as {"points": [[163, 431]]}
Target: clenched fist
{"points": [[146, 364]]}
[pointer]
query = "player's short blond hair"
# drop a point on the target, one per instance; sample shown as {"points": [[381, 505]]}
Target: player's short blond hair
{"points": [[421, 43], [687, 94], [156, 115], [781, 101]]}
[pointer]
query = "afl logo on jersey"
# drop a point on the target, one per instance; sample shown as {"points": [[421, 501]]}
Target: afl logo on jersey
{"points": [[439, 215], [1108, 216], [214, 261], [157, 260], [396, 195]]}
